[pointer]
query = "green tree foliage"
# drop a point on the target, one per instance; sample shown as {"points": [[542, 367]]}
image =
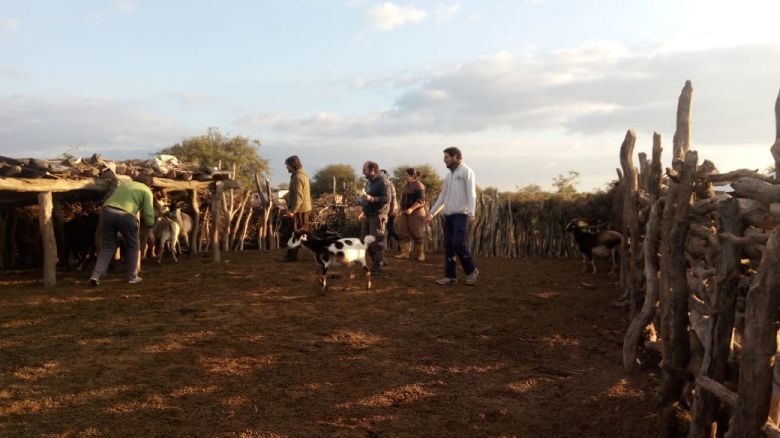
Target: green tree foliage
{"points": [[346, 180], [213, 147], [566, 186], [432, 181]]}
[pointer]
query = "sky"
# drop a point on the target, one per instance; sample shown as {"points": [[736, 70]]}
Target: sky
{"points": [[528, 89]]}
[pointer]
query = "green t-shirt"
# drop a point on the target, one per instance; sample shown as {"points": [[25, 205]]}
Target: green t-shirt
{"points": [[131, 197]]}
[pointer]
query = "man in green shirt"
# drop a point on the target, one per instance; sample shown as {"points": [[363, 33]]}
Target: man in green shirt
{"points": [[119, 215], [298, 201]]}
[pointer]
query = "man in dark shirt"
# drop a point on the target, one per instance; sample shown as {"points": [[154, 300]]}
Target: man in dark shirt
{"points": [[376, 206]]}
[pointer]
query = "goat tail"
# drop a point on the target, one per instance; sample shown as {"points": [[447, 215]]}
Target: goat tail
{"points": [[369, 239]]}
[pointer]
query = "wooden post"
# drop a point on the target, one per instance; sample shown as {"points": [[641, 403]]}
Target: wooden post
{"points": [[650, 250], [47, 239], [682, 135], [674, 293], [631, 248], [759, 344], [216, 209], [776, 147], [716, 354], [195, 238]]}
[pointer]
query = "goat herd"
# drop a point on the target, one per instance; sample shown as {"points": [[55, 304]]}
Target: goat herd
{"points": [[329, 248]]}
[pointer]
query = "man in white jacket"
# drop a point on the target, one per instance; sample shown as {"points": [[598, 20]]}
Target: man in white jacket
{"points": [[458, 199]]}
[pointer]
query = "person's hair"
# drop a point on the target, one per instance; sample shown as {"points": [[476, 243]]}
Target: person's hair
{"points": [[144, 179], [411, 171], [294, 162], [372, 165], [454, 152]]}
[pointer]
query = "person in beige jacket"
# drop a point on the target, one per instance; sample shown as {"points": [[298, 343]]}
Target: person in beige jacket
{"points": [[298, 201]]}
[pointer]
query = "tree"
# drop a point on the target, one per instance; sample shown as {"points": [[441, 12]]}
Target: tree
{"points": [[346, 179], [566, 186], [432, 181], [213, 147]]}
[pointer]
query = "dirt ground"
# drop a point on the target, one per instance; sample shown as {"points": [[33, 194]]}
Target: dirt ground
{"points": [[250, 348]]}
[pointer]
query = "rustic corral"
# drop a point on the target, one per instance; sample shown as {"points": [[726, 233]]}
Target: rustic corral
{"points": [[700, 272]]}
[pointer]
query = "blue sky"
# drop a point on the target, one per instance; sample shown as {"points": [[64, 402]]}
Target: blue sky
{"points": [[528, 89]]}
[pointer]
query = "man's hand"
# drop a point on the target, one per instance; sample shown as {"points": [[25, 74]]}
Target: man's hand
{"points": [[408, 211], [367, 197], [361, 216], [428, 219], [288, 213], [472, 219]]}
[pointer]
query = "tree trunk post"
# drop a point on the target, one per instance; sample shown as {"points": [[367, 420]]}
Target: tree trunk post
{"points": [[631, 248], [776, 147], [216, 208], [682, 135], [47, 239], [759, 344], [195, 238], [716, 354]]}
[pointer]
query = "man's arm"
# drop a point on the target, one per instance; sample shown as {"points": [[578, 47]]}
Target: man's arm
{"points": [[147, 209], [471, 192]]}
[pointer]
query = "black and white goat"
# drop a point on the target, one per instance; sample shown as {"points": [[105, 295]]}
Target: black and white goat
{"points": [[347, 251], [592, 244]]}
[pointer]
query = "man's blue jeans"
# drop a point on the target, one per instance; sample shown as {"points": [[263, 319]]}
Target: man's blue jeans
{"points": [[455, 234]]}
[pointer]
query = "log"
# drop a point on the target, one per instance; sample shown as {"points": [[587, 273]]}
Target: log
{"points": [[47, 239], [682, 136], [759, 344], [195, 238], [758, 190], [775, 149], [717, 389], [757, 214], [728, 177], [216, 208], [674, 290], [631, 247], [722, 318], [52, 185]]}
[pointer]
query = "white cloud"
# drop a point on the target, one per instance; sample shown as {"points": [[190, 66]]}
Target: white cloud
{"points": [[388, 16], [192, 98], [445, 12], [588, 90], [9, 24], [125, 6], [45, 125]]}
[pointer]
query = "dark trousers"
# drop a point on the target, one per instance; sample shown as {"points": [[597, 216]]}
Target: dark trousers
{"points": [[375, 226], [391, 232], [299, 221], [455, 233], [114, 221]]}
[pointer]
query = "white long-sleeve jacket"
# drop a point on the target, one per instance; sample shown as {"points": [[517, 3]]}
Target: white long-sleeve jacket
{"points": [[459, 195]]}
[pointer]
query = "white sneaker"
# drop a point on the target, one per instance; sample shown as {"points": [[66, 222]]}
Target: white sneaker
{"points": [[472, 278], [94, 282], [135, 280], [447, 281]]}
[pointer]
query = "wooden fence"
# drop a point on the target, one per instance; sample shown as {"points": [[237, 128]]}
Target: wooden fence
{"points": [[702, 272]]}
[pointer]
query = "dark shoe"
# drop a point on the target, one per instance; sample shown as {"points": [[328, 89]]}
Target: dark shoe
{"points": [[376, 271], [94, 282], [287, 259], [445, 281]]}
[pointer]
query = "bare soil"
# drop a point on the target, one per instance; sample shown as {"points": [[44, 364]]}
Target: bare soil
{"points": [[251, 348]]}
